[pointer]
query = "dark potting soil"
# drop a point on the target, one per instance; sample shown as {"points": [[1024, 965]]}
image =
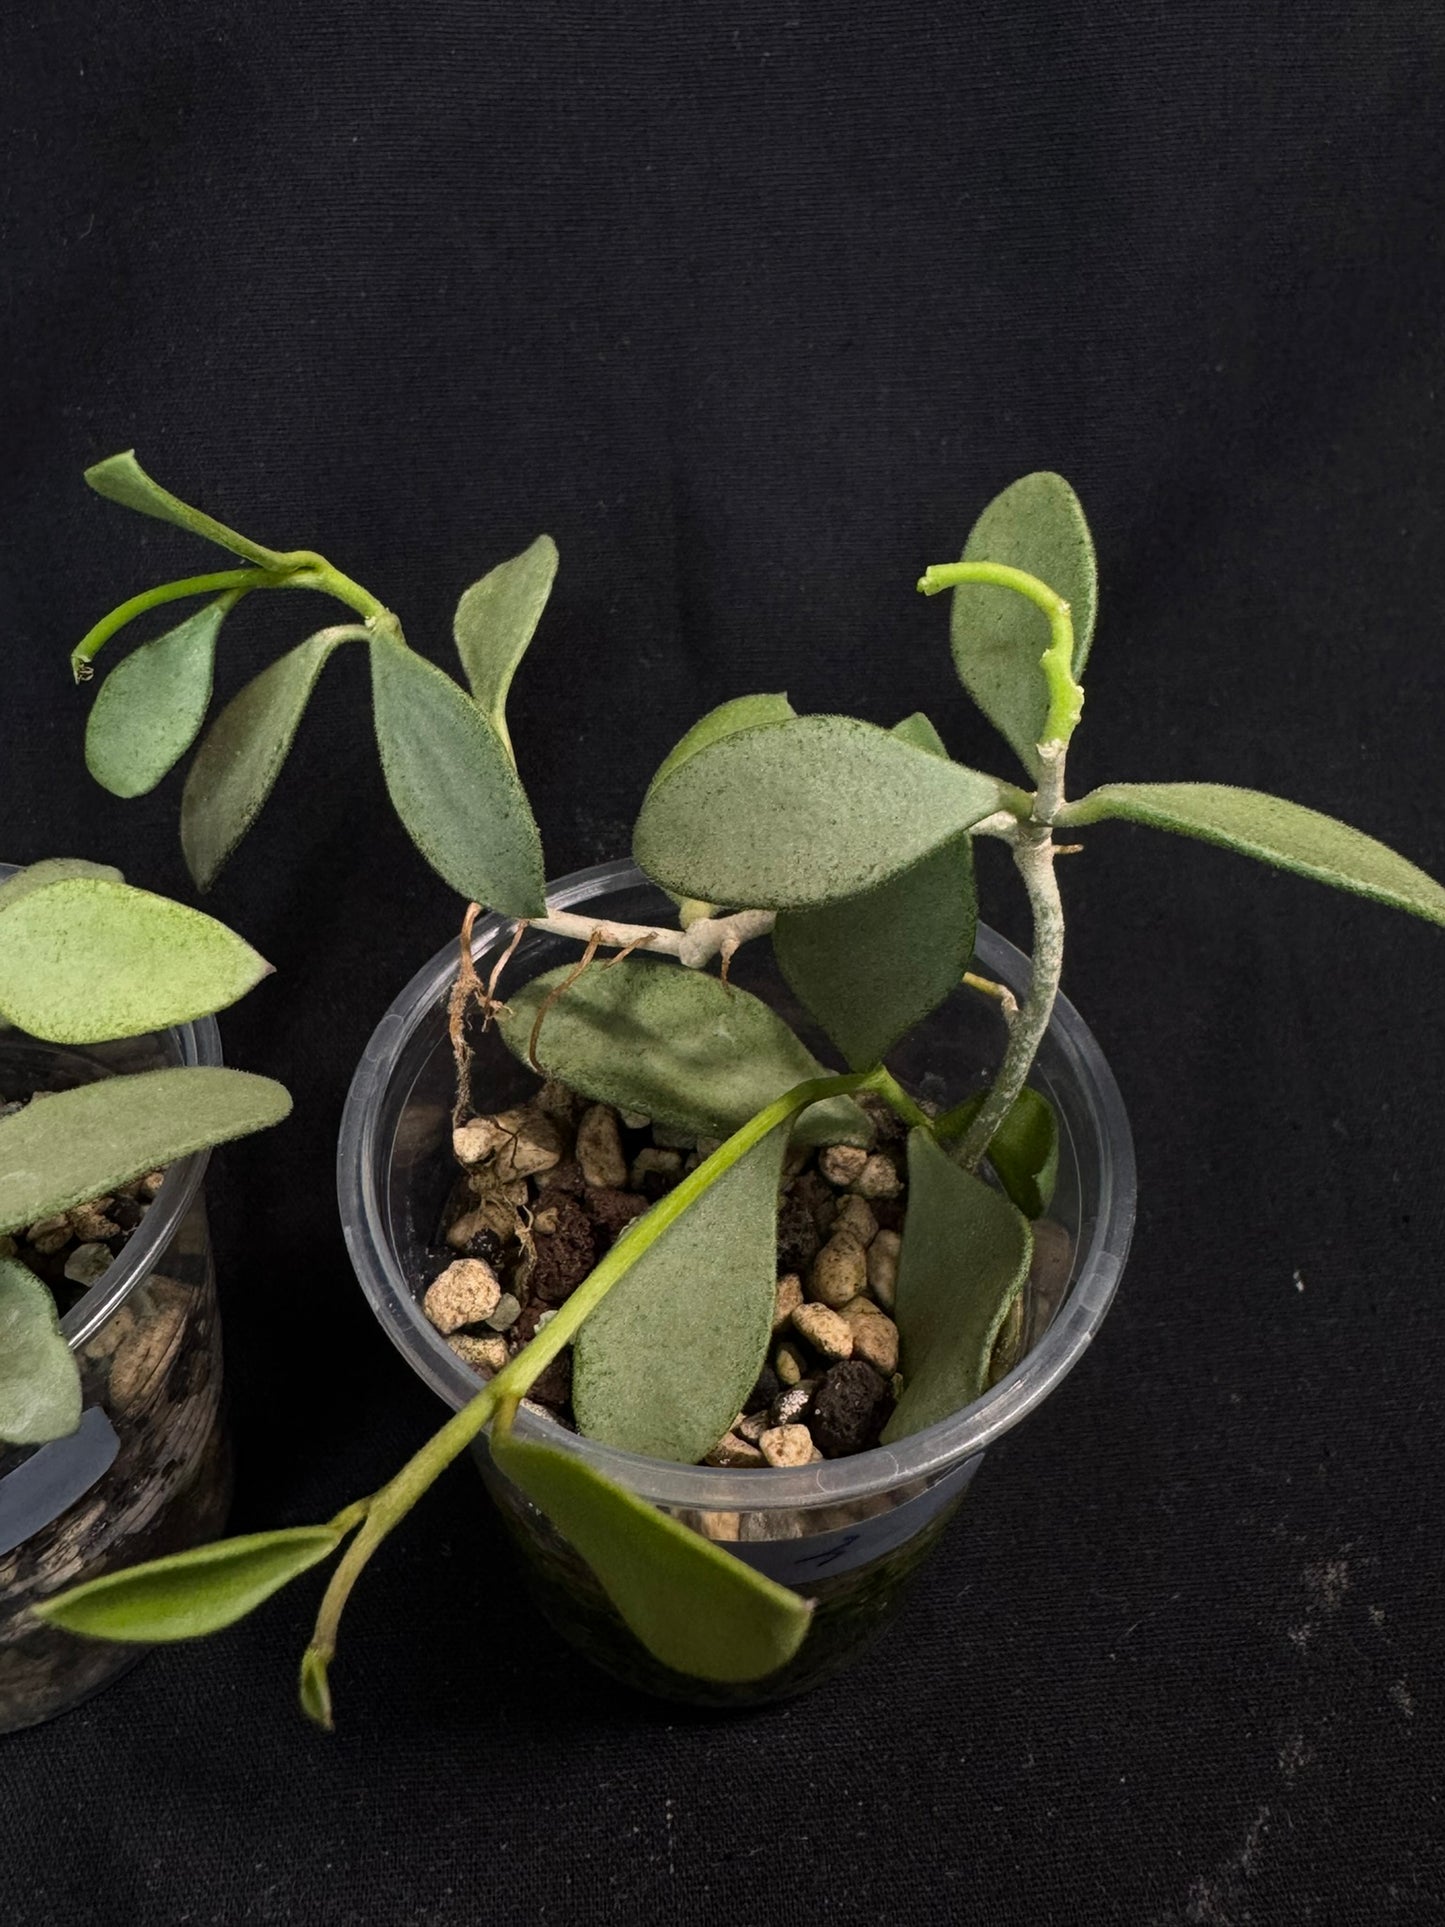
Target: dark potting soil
{"points": [[544, 1190]]}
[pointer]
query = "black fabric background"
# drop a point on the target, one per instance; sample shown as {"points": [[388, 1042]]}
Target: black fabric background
{"points": [[752, 307]]}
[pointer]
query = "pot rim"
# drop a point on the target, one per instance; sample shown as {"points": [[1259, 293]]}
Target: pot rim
{"points": [[198, 1042], [926, 1455]]}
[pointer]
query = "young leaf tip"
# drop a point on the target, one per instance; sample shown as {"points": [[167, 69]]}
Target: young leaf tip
{"points": [[315, 1689], [99, 473]]}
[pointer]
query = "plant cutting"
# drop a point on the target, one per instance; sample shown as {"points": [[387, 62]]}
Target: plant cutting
{"points": [[90, 1407], [847, 847]]}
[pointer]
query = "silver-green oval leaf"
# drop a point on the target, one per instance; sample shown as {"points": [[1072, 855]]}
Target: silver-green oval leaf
{"points": [[151, 706], [453, 785], [998, 636], [39, 1382], [694, 1607], [964, 1260], [496, 620], [78, 1144], [663, 1365], [743, 712], [237, 765], [679, 1045], [1267, 827], [120, 478], [801, 813], [85, 960], [870, 967], [190, 1594]]}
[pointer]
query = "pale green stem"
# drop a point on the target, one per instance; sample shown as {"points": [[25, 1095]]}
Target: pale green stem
{"points": [[396, 1498], [312, 571], [888, 1088], [94, 639], [302, 571], [1000, 993], [1066, 698]]}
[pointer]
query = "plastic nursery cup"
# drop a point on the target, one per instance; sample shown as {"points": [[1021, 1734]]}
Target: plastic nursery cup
{"points": [[148, 1471], [846, 1533]]}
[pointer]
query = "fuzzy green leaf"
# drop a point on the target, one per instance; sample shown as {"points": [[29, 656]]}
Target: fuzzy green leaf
{"points": [[870, 967], [241, 757], [802, 813], [1284, 834], [54, 869], [688, 1050], [920, 733], [85, 960], [663, 1365], [120, 478], [190, 1594], [495, 621], [743, 712], [453, 785], [694, 1607], [964, 1260], [39, 1381], [998, 636], [1024, 1150], [78, 1144], [151, 706]]}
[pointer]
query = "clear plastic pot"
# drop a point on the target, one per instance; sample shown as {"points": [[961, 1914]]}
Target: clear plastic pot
{"points": [[149, 1471], [848, 1532]]}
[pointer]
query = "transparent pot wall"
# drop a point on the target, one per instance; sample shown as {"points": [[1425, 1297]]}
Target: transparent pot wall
{"points": [[148, 1471], [847, 1533]]}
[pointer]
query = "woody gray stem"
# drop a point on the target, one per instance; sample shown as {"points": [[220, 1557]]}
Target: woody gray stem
{"points": [[1033, 853], [703, 940]]}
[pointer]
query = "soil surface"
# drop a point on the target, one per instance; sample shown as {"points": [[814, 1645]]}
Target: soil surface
{"points": [[544, 1190]]}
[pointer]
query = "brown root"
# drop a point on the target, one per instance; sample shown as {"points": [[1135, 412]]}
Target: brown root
{"points": [[645, 936], [468, 987], [560, 990]]}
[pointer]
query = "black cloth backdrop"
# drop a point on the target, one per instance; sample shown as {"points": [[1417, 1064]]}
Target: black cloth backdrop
{"points": [[752, 307]]}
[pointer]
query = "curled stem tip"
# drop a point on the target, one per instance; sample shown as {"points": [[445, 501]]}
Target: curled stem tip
{"points": [[299, 571], [1066, 698], [237, 581]]}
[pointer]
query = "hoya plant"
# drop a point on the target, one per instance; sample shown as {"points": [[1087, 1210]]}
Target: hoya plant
{"points": [[850, 847], [87, 959]]}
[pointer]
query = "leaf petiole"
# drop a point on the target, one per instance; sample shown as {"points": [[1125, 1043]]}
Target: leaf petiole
{"points": [[1000, 993]]}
